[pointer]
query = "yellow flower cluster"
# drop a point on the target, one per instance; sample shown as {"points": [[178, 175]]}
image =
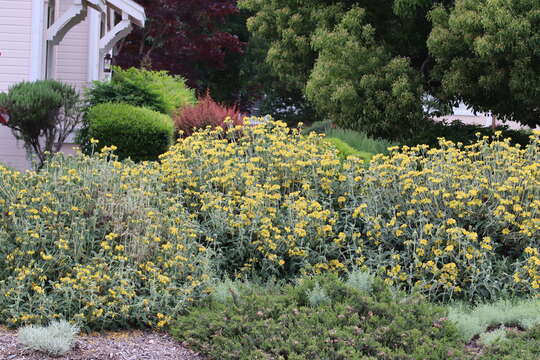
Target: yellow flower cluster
{"points": [[95, 241], [114, 244], [459, 217], [269, 199], [528, 274]]}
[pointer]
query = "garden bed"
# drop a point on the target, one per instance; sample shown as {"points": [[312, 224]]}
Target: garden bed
{"points": [[136, 345]]}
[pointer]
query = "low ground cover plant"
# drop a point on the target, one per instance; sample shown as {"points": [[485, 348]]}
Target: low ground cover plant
{"points": [[284, 322], [55, 340], [473, 321], [515, 344]]}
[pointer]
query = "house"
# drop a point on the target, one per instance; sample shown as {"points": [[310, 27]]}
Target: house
{"points": [[65, 40]]}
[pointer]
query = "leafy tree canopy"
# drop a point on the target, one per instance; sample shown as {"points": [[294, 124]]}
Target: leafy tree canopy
{"points": [[487, 53], [369, 64], [192, 38]]}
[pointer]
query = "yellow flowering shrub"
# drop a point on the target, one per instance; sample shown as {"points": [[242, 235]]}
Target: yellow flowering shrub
{"points": [[268, 199], [94, 240], [454, 221], [114, 244]]}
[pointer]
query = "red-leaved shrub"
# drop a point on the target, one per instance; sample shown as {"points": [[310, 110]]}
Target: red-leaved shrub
{"points": [[205, 113]]}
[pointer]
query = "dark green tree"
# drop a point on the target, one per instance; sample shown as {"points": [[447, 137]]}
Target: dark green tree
{"points": [[487, 53], [357, 81], [349, 58]]}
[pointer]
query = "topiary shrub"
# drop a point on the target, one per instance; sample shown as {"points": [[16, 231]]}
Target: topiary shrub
{"points": [[138, 133], [42, 114], [206, 113]]}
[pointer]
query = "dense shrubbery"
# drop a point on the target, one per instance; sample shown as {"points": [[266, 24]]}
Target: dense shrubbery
{"points": [[285, 323], [265, 201], [456, 222], [270, 200], [98, 242], [155, 90], [138, 133], [456, 131], [205, 113]]}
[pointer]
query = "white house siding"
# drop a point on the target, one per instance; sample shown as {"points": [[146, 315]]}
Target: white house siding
{"points": [[15, 41], [15, 47], [72, 52]]}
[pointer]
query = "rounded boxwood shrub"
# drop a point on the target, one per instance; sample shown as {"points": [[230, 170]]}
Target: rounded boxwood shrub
{"points": [[138, 133]]}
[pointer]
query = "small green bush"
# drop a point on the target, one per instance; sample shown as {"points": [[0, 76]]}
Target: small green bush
{"points": [[279, 323], [345, 150], [156, 90], [56, 339], [139, 133]]}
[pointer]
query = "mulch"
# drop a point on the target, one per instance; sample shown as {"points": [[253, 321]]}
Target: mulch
{"points": [[133, 345]]}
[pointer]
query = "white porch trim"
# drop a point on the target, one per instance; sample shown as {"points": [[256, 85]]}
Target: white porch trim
{"points": [[38, 46], [117, 33], [134, 10], [94, 62], [73, 16], [132, 13]]}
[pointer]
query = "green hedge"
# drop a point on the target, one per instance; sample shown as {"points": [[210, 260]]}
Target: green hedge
{"points": [[139, 133]]}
